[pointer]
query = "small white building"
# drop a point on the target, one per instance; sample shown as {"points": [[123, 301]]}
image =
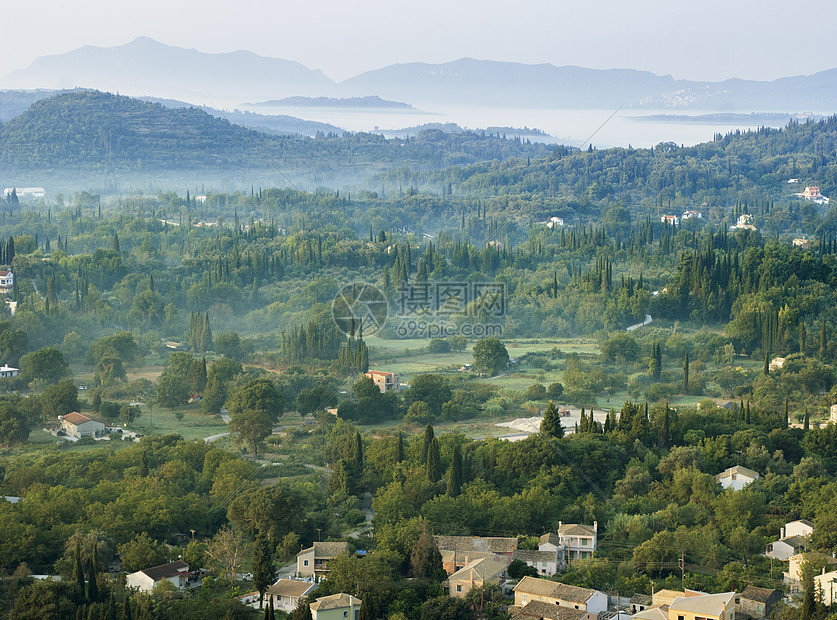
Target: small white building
{"points": [[145, 580], [692, 215], [79, 425], [7, 372], [736, 478], [7, 281], [335, 607], [555, 222], [670, 219], [285, 593], [833, 416], [545, 562], [826, 582]]}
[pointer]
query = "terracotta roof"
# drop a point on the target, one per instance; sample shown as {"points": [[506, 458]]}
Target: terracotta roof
{"points": [[704, 605], [553, 589], [448, 555], [326, 550], [762, 595], [290, 587], [654, 613], [172, 569], [481, 569], [546, 611], [575, 529], [527, 555], [335, 601], [74, 417], [476, 543]]}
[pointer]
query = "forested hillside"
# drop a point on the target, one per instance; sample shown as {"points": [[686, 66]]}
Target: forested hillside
{"points": [[91, 132]]}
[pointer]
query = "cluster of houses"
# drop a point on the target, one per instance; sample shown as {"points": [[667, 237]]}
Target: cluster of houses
{"points": [[674, 220]]}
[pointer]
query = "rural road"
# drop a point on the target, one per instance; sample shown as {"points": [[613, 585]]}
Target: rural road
{"points": [[647, 320]]}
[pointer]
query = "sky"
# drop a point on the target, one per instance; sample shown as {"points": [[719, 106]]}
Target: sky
{"points": [[700, 39]]}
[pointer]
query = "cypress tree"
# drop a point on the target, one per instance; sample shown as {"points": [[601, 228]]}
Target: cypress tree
{"points": [[399, 448], [92, 582], [263, 571], [433, 467], [428, 439], [766, 369], [786, 413], [747, 416], [807, 423], [822, 340], [551, 423], [111, 613], [455, 473], [78, 572], [272, 615], [686, 373], [365, 608]]}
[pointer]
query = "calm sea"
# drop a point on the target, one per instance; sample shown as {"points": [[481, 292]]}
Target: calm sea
{"points": [[602, 128]]}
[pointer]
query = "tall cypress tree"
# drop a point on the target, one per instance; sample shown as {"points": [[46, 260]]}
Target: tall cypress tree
{"points": [[455, 473], [263, 570], [399, 448], [686, 373], [428, 439], [433, 467], [92, 582], [78, 572]]}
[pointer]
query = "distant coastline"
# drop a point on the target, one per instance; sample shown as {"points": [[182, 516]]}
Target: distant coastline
{"points": [[769, 118], [335, 102]]}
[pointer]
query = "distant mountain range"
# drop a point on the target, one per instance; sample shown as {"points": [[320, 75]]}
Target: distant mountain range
{"points": [[147, 67]]}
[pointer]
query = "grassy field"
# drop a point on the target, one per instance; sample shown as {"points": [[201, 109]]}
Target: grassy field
{"points": [[194, 425]]}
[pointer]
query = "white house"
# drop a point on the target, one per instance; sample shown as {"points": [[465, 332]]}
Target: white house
{"points": [[545, 562], [555, 222], [736, 478], [285, 594], [833, 416], [800, 527], [573, 541], [826, 582], [793, 538], [145, 580], [561, 594], [7, 281], [7, 372], [692, 215], [314, 560], [670, 219], [79, 425], [335, 607]]}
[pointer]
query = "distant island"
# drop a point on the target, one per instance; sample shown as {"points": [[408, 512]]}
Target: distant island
{"points": [[770, 118], [371, 101], [505, 132]]}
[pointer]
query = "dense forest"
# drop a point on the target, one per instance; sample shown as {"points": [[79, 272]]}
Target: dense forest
{"points": [[173, 311]]}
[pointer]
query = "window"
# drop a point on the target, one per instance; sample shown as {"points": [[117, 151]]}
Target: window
{"points": [[761, 609], [459, 587], [584, 542], [305, 562], [681, 617], [345, 614]]}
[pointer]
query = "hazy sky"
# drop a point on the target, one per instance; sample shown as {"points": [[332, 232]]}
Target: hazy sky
{"points": [[700, 39]]}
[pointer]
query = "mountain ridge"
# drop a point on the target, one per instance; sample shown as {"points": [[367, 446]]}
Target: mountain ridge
{"points": [[147, 67]]}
